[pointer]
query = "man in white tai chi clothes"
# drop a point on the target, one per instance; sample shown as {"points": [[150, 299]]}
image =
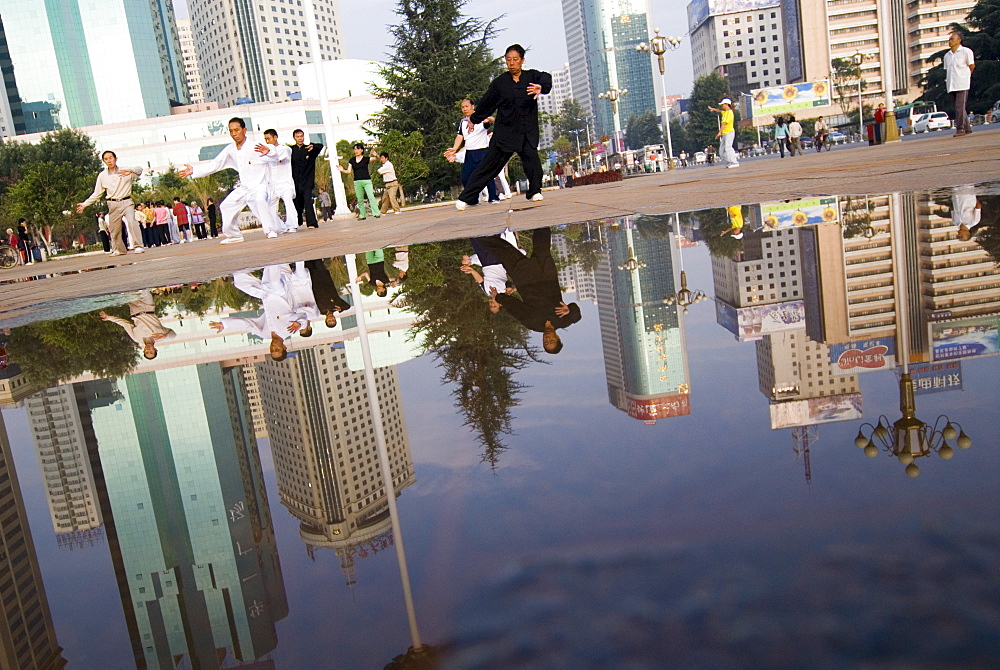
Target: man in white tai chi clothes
{"points": [[251, 163], [279, 177]]}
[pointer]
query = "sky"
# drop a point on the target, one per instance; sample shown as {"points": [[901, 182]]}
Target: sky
{"points": [[537, 25]]}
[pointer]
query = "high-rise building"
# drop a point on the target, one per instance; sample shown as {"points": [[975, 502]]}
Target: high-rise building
{"points": [[744, 41], [552, 103], [645, 354], [325, 454], [62, 453], [601, 36], [66, 73], [251, 50], [11, 114], [27, 636], [187, 516], [190, 55]]}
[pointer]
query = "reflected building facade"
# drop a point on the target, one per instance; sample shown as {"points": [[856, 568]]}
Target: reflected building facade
{"points": [[645, 354], [325, 455], [187, 515], [27, 636]]}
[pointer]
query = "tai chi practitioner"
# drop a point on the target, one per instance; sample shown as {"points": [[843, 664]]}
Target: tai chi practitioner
{"points": [[143, 326], [251, 163], [280, 183], [115, 184]]}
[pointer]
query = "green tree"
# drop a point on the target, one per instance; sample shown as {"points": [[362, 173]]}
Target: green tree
{"points": [[844, 75], [982, 36], [703, 124], [404, 151], [572, 116], [644, 129], [51, 352], [438, 57], [564, 147], [680, 139]]}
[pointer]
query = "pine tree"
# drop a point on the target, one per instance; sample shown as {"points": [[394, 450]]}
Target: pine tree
{"points": [[438, 58]]}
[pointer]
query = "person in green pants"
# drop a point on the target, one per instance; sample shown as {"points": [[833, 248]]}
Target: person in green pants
{"points": [[362, 180]]}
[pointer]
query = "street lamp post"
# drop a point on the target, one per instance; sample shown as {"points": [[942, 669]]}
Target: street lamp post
{"points": [[590, 145], [613, 94], [858, 60], [659, 45], [579, 158]]}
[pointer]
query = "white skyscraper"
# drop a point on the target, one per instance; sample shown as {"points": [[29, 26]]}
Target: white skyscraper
{"points": [[190, 56], [252, 50], [552, 103]]}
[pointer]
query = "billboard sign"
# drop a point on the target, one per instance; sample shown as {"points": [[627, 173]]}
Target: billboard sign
{"points": [[791, 97], [864, 355], [752, 323], [964, 338], [845, 407], [661, 407], [804, 212], [699, 10], [936, 377]]}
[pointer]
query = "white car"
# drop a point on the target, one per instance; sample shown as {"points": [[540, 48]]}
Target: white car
{"points": [[933, 121], [700, 157]]}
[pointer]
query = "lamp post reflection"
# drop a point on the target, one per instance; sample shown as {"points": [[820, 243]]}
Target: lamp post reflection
{"points": [[684, 297]]}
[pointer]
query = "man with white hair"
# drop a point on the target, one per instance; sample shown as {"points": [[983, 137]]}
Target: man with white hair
{"points": [[251, 163]]}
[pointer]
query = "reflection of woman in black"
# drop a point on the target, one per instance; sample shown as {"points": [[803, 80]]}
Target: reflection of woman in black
{"points": [[325, 290]]}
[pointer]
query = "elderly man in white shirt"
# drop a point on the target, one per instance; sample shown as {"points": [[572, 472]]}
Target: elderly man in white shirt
{"points": [[959, 62], [144, 327], [251, 163], [281, 185], [115, 184]]}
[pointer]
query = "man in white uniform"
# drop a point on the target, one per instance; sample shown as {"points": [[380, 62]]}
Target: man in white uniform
{"points": [[281, 185], [251, 163]]}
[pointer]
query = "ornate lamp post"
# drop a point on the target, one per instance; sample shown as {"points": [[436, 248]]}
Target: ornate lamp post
{"points": [[632, 264], [613, 94], [659, 45], [858, 59], [684, 297]]}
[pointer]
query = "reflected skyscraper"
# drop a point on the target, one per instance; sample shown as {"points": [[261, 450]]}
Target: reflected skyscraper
{"points": [[27, 637], [323, 441], [645, 356], [187, 515]]}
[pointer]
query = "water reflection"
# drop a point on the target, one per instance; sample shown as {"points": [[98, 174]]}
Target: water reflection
{"points": [[823, 296]]}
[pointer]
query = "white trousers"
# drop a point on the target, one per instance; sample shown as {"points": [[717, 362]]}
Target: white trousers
{"points": [[285, 193], [258, 202]]}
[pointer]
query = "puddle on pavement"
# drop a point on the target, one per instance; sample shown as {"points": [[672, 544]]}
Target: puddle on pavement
{"points": [[715, 468]]}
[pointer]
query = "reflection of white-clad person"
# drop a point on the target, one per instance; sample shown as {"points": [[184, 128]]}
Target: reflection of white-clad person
{"points": [[966, 211], [301, 296], [143, 326], [280, 183], [279, 320], [493, 276], [250, 162]]}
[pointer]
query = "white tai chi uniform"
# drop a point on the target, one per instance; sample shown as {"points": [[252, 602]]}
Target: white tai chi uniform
{"points": [[272, 290], [300, 291], [282, 186], [250, 192]]}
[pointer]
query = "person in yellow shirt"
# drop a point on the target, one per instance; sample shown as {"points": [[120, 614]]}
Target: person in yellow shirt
{"points": [[727, 133]]}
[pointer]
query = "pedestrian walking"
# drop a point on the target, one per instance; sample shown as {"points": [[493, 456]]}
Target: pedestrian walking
{"points": [[727, 133], [115, 184], [514, 97], [959, 63], [781, 134], [24, 243], [358, 164], [794, 136], [392, 195], [304, 175], [162, 221]]}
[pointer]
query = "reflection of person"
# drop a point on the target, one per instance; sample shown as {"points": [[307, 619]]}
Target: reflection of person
{"points": [[251, 163], [727, 133], [514, 97], [143, 326], [959, 62], [304, 174], [115, 184], [325, 292], [540, 306], [376, 275], [735, 214], [493, 275]]}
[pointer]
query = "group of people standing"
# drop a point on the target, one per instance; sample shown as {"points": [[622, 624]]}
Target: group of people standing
{"points": [[788, 135]]}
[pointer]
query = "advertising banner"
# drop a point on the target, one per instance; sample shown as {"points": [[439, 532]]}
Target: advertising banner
{"points": [[936, 377], [663, 407], [791, 97], [863, 356], [699, 10], [775, 215], [752, 323], [964, 338], [846, 407]]}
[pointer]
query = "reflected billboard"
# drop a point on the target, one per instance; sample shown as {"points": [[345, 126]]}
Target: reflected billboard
{"points": [[863, 355], [791, 97], [845, 407], [964, 338], [936, 377], [752, 323], [803, 212], [660, 407]]}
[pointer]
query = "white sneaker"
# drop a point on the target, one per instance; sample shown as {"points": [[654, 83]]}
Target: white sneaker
{"points": [[733, 165], [460, 205], [272, 235], [537, 197], [113, 253], [231, 240], [138, 250]]}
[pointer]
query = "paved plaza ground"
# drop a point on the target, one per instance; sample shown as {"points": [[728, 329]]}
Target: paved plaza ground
{"points": [[915, 164]]}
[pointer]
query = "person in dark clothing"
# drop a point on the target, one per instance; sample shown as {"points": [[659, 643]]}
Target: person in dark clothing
{"points": [[212, 213], [540, 306], [304, 175], [327, 295], [514, 97], [24, 242]]}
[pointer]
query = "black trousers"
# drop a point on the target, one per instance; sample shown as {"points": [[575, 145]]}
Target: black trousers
{"points": [[304, 205], [493, 164], [536, 267]]}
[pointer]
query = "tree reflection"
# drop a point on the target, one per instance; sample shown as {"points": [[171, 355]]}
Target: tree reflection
{"points": [[478, 351]]}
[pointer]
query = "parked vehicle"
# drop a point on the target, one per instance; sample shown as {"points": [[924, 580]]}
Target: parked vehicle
{"points": [[836, 137], [700, 157], [932, 121]]}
